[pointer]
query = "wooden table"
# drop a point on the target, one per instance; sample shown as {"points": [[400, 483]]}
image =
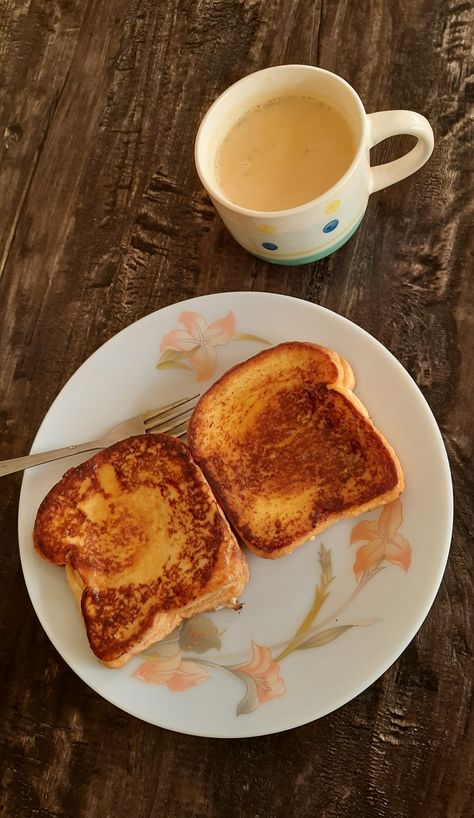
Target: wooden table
{"points": [[103, 220]]}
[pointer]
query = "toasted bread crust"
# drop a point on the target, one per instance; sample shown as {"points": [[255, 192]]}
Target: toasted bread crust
{"points": [[144, 541], [288, 449]]}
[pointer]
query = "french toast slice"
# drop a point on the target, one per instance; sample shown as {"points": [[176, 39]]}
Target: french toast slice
{"points": [[144, 543], [288, 448]]}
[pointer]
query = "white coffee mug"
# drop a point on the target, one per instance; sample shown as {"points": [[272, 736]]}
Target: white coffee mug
{"points": [[317, 228]]}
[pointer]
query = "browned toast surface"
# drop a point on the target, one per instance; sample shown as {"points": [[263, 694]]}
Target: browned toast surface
{"points": [[288, 448], [144, 542]]}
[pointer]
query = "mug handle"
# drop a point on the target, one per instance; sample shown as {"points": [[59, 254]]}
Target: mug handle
{"points": [[384, 124]]}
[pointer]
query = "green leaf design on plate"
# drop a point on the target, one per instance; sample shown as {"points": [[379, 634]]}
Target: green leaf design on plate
{"points": [[324, 637], [172, 365], [172, 355], [246, 336], [173, 359], [320, 596], [199, 635], [325, 562], [250, 700]]}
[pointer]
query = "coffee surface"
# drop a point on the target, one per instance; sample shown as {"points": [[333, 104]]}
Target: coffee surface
{"points": [[284, 153]]}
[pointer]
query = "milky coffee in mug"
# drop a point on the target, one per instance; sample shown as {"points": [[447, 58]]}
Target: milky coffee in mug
{"points": [[284, 153]]}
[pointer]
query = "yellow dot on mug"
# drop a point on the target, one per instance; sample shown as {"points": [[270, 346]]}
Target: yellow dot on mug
{"points": [[268, 229], [332, 206]]}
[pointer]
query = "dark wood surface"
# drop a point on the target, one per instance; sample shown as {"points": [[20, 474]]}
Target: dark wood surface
{"points": [[103, 220]]}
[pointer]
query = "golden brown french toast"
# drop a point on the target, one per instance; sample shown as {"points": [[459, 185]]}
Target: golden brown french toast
{"points": [[288, 449], [144, 543]]}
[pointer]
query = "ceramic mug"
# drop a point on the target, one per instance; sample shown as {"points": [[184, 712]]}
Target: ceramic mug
{"points": [[319, 227]]}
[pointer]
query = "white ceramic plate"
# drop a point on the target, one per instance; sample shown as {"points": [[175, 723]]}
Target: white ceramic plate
{"points": [[224, 674]]}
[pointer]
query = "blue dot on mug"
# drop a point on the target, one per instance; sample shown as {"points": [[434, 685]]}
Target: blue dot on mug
{"points": [[269, 245], [330, 226]]}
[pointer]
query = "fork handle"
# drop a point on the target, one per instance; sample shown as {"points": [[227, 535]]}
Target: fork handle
{"points": [[20, 463]]}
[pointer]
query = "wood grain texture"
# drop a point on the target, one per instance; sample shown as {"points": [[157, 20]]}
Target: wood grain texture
{"points": [[103, 220]]}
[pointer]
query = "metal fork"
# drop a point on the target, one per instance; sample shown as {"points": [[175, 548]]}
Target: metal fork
{"points": [[165, 419]]}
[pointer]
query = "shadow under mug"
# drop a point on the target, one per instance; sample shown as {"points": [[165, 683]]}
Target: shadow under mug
{"points": [[319, 227]]}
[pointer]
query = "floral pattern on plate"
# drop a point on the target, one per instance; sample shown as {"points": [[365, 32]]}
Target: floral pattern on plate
{"points": [[195, 346]]}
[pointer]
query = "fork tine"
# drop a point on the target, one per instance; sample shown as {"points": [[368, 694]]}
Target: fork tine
{"points": [[171, 423], [163, 410], [172, 419], [180, 430]]}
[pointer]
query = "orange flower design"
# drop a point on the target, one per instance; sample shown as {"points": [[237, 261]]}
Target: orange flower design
{"points": [[383, 541], [198, 341], [265, 673], [176, 673]]}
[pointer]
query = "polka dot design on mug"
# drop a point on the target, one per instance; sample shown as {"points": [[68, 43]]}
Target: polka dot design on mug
{"points": [[332, 206], [330, 226], [269, 245]]}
